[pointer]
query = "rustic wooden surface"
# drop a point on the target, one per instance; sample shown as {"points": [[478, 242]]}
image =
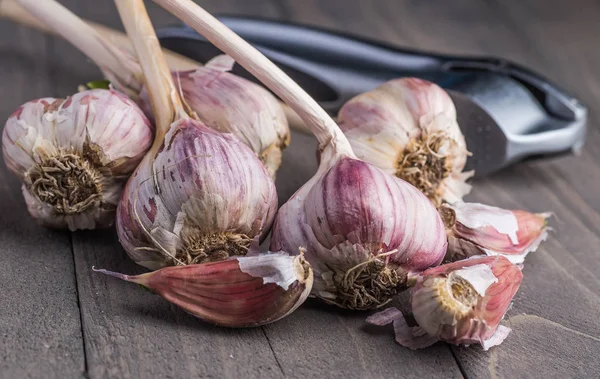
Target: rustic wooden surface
{"points": [[60, 320]]}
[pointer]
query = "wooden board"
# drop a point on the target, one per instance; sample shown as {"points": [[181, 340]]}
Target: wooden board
{"points": [[40, 329], [127, 332]]}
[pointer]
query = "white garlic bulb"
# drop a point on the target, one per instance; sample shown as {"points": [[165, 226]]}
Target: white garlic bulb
{"points": [[407, 127], [74, 155]]}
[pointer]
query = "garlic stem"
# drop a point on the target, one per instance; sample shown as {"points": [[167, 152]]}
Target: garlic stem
{"points": [[164, 96], [120, 69], [321, 124]]}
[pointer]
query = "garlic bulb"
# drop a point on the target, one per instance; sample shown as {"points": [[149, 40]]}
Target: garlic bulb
{"points": [[220, 100], [231, 104], [239, 292], [363, 230], [407, 127], [460, 303], [74, 155], [203, 197], [198, 195], [478, 229]]}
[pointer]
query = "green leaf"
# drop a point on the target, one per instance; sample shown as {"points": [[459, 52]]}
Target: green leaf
{"points": [[98, 84]]}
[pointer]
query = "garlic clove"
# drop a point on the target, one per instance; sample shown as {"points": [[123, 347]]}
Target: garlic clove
{"points": [[478, 229], [239, 292], [73, 155], [364, 231], [407, 127], [461, 303]]}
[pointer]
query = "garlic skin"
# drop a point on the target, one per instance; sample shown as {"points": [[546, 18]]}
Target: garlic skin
{"points": [[231, 104], [203, 197], [363, 230], [407, 127], [479, 229], [461, 303], [74, 155], [238, 292]]}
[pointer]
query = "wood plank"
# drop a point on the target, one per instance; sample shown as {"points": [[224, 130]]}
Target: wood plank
{"points": [[39, 318], [130, 332]]}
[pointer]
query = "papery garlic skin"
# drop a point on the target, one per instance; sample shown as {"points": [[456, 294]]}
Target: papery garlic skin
{"points": [[203, 197], [461, 303], [363, 230], [479, 229], [231, 104], [239, 292], [407, 127], [74, 155]]}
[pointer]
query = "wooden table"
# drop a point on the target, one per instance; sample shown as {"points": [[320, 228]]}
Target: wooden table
{"points": [[58, 319]]}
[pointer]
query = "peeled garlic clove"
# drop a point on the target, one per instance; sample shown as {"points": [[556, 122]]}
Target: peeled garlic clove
{"points": [[407, 127], [231, 104], [364, 231], [203, 197], [478, 229], [239, 292], [73, 155], [461, 303]]}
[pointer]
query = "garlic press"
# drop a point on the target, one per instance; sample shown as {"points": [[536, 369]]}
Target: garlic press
{"points": [[506, 112]]}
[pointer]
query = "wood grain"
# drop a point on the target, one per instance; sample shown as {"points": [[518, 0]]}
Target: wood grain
{"points": [[40, 330]]}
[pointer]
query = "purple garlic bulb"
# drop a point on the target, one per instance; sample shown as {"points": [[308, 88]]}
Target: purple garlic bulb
{"points": [[204, 196], [363, 230]]}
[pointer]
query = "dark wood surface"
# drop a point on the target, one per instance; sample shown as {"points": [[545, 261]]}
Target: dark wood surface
{"points": [[58, 319]]}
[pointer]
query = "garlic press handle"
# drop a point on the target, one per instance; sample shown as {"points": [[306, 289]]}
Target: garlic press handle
{"points": [[561, 140], [351, 65]]}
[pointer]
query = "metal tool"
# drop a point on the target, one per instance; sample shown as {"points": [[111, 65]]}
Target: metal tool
{"points": [[506, 112]]}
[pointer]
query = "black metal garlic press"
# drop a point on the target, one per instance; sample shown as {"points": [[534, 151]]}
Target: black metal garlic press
{"points": [[506, 112]]}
